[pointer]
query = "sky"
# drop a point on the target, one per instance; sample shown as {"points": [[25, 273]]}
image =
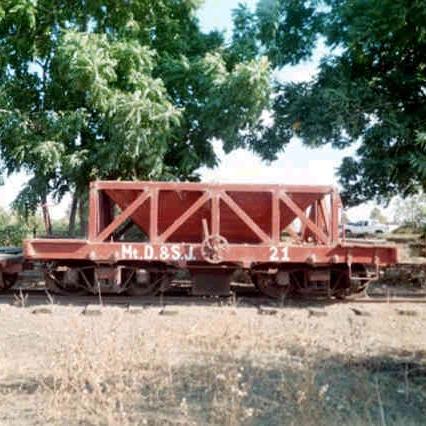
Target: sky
{"points": [[297, 164]]}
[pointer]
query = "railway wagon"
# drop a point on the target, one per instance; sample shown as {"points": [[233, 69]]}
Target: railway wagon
{"points": [[11, 264], [142, 234]]}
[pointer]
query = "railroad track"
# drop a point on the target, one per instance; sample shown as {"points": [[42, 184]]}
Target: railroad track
{"points": [[244, 296]]}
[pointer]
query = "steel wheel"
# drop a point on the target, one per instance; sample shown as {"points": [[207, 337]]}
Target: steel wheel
{"points": [[145, 283], [56, 283], [346, 288], [8, 280], [339, 283], [268, 285]]}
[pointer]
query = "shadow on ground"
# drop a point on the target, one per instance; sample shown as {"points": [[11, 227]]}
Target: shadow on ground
{"points": [[299, 389]]}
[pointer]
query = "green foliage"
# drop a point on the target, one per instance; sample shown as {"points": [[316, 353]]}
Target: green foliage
{"points": [[288, 29], [106, 89], [132, 107], [13, 229], [13, 234], [370, 89], [101, 89], [245, 45]]}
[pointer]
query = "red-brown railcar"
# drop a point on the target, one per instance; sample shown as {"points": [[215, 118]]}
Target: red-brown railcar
{"points": [[141, 233], [11, 263]]}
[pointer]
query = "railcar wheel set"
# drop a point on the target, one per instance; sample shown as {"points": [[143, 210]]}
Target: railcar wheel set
{"points": [[142, 234]]}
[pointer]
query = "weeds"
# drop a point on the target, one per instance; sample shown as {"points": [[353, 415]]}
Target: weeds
{"points": [[21, 300], [100, 377], [221, 369]]}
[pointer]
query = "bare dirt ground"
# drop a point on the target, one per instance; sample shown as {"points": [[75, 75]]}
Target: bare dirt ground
{"points": [[210, 361]]}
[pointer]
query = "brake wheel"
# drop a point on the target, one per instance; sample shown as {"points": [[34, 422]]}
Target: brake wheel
{"points": [[213, 248]]}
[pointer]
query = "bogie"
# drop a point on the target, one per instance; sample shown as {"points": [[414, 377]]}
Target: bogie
{"points": [[339, 282]]}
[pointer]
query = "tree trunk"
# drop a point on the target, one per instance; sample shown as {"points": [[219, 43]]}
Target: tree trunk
{"points": [[46, 216], [73, 214], [82, 216]]}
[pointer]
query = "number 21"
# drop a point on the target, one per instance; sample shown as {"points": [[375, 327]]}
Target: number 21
{"points": [[279, 254]]}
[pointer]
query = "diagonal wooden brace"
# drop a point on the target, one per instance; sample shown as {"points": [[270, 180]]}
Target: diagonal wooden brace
{"points": [[182, 219], [244, 217], [324, 215], [301, 215], [123, 216]]}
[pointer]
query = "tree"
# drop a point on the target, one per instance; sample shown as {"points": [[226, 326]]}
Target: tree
{"points": [[370, 89], [117, 90], [13, 228], [411, 211], [377, 215]]}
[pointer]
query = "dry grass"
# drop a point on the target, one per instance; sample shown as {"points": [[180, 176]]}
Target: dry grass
{"points": [[224, 366], [101, 379]]}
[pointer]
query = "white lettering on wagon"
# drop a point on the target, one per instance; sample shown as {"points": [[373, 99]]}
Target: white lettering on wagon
{"points": [[175, 249], [278, 254], [177, 252], [174, 252], [128, 252], [148, 252], [190, 254], [164, 253]]}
